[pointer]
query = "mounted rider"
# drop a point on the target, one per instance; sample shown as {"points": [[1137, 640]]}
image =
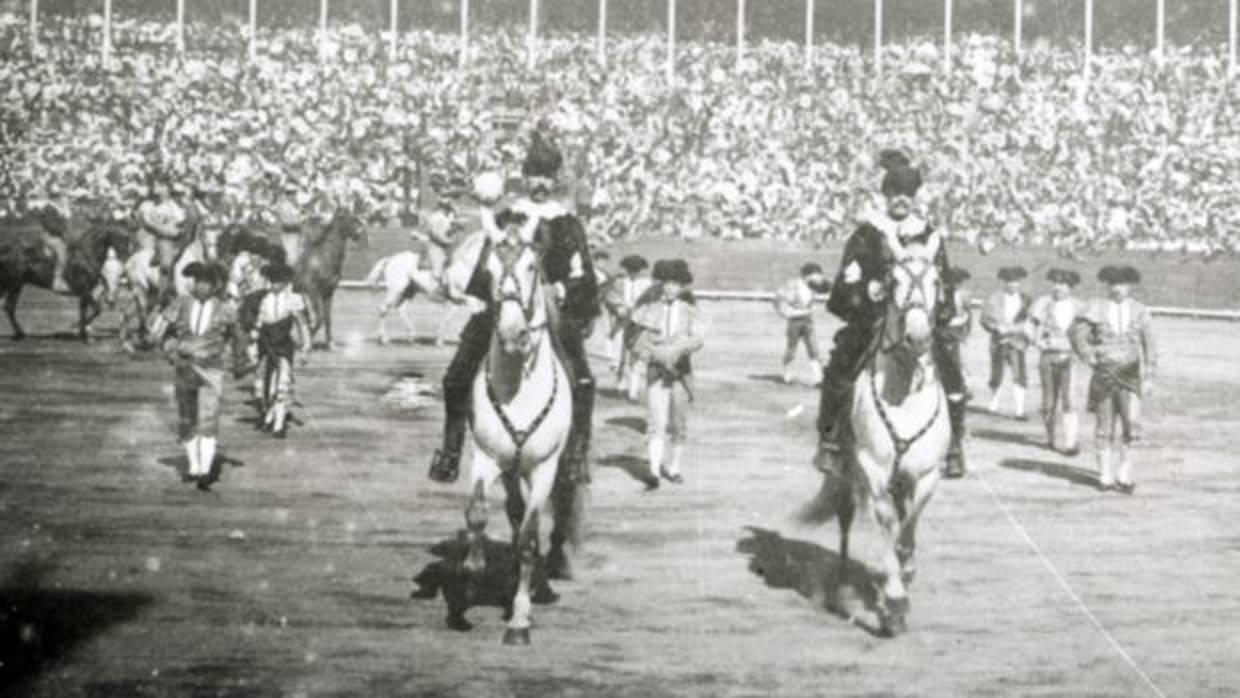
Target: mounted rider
{"points": [[53, 215], [568, 270], [291, 220], [160, 218], [858, 298]]}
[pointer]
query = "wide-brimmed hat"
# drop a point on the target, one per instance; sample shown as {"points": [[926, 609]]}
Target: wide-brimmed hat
{"points": [[278, 272], [673, 270], [199, 271], [1114, 275], [634, 263], [1015, 273], [1063, 276]]}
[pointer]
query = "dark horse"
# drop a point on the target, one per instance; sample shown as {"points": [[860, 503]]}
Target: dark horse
{"points": [[25, 260], [318, 269]]}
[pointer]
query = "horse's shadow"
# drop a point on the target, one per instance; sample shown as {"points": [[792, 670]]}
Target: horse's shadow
{"points": [[461, 590], [814, 572], [1061, 471], [1006, 437], [41, 625], [180, 463], [634, 466], [637, 424], [766, 378]]}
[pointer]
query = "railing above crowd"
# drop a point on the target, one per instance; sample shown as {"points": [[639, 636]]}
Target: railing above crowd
{"points": [[1015, 148]]}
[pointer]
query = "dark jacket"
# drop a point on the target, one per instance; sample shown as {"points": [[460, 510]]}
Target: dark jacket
{"points": [[868, 248]]}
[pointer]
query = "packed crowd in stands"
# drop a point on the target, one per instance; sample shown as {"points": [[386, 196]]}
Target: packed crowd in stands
{"points": [[1014, 149]]}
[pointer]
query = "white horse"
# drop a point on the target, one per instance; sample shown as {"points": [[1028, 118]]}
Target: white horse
{"points": [[402, 278], [521, 413], [899, 435]]}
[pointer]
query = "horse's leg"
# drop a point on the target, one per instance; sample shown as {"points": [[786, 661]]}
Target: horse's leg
{"points": [[441, 332], [537, 492], [410, 331], [906, 546], [10, 309], [845, 509], [327, 315], [88, 310], [383, 311], [893, 597], [484, 471]]}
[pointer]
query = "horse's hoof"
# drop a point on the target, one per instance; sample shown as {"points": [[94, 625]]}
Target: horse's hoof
{"points": [[544, 595], [458, 623], [517, 636]]}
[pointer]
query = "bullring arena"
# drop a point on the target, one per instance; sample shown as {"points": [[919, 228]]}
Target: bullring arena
{"points": [[294, 575]]}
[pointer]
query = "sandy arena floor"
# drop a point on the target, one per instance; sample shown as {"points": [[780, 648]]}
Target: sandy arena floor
{"points": [[293, 577]]}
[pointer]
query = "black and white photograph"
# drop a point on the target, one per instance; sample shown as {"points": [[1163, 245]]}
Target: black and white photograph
{"points": [[633, 348]]}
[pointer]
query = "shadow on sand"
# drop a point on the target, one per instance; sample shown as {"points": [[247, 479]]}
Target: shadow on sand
{"points": [[767, 378], [813, 572], [461, 591], [634, 466], [1006, 437], [180, 463], [1061, 471], [40, 626], [637, 424]]}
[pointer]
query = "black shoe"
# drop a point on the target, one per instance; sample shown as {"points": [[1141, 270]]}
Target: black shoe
{"points": [[651, 482], [1125, 487], [282, 433], [674, 478], [955, 468], [204, 484], [445, 467]]}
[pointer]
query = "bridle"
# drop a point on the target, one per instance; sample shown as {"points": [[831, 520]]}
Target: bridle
{"points": [[528, 307], [915, 298]]}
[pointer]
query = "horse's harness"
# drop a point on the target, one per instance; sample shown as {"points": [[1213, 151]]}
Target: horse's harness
{"points": [[916, 298], [528, 309]]}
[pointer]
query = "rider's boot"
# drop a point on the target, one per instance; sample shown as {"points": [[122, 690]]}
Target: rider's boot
{"points": [[446, 464], [457, 386], [835, 394], [1071, 433], [956, 465]]}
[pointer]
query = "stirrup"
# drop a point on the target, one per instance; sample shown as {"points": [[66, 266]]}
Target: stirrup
{"points": [[445, 467]]}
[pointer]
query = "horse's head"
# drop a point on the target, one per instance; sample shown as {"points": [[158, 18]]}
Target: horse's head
{"points": [[913, 293], [350, 226], [516, 287]]}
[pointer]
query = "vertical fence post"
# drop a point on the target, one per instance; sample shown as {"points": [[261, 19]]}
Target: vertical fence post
{"points": [[740, 33], [531, 39], [461, 59], [947, 36], [34, 26], [1018, 19], [1160, 30], [602, 32], [878, 38], [180, 26], [253, 30], [671, 41], [1089, 40], [809, 34], [394, 20], [107, 33]]}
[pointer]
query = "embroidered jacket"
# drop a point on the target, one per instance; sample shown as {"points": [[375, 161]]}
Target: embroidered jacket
{"points": [[1007, 327], [668, 333], [795, 299], [1052, 319], [202, 330], [868, 257], [1117, 334]]}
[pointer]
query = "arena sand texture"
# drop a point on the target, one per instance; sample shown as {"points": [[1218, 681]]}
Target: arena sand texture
{"points": [[293, 577]]}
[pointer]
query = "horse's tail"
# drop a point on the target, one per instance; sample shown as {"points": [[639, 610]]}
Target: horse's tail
{"points": [[377, 271], [823, 506]]}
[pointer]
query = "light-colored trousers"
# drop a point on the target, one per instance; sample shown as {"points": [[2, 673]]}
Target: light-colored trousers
{"points": [[667, 410]]}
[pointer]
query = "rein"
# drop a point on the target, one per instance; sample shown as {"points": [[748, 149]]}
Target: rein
{"points": [[883, 346], [527, 305]]}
